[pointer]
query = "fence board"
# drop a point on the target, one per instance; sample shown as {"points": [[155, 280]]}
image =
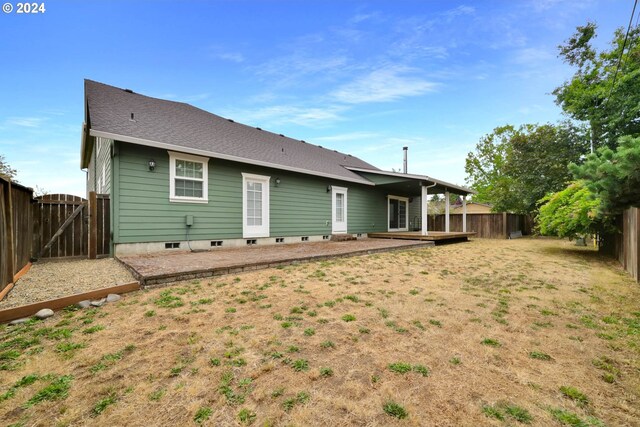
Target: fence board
{"points": [[486, 225], [22, 203], [5, 266], [16, 229], [54, 209]]}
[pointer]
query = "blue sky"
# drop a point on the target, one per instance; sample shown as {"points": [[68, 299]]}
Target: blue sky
{"points": [[365, 77]]}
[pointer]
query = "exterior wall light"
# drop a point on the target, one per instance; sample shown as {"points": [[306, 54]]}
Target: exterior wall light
{"points": [[278, 182], [328, 188], [152, 164]]}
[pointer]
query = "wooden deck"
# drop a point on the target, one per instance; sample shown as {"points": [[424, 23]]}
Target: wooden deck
{"points": [[436, 236]]}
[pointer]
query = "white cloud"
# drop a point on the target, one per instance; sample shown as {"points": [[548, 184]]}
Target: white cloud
{"points": [[385, 84], [29, 122], [349, 136], [361, 17], [299, 66], [289, 114], [231, 57], [460, 11], [532, 56]]}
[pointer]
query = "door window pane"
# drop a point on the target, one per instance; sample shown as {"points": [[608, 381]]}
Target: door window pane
{"points": [[402, 214], [339, 207], [254, 203], [393, 213]]}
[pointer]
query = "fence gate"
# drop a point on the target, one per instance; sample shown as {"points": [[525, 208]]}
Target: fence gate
{"points": [[67, 228]]}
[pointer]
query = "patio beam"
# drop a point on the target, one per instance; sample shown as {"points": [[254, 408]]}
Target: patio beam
{"points": [[446, 211], [423, 211]]}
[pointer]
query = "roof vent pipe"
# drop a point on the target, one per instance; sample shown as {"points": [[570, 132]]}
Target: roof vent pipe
{"points": [[404, 162]]}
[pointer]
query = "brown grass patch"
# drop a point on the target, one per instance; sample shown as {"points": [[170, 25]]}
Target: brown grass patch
{"points": [[430, 309]]}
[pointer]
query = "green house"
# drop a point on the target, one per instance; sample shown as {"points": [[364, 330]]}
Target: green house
{"points": [[182, 178]]}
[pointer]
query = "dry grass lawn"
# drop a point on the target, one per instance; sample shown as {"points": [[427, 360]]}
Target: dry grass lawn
{"points": [[490, 332]]}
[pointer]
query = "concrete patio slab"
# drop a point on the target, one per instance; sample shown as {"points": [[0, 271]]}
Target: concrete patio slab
{"points": [[162, 268]]}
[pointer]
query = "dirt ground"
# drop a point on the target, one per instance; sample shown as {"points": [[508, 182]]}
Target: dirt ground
{"points": [[490, 332], [55, 279]]}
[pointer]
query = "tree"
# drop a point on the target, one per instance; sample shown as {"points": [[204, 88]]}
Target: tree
{"points": [[486, 168], [613, 175], [6, 171], [607, 182], [513, 168], [599, 93], [572, 212]]}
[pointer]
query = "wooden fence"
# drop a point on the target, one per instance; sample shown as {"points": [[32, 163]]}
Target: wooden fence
{"points": [[54, 210], [16, 229], [486, 225], [82, 226], [51, 226], [625, 245]]}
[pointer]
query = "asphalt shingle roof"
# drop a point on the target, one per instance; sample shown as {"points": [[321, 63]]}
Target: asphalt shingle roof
{"points": [[109, 110]]}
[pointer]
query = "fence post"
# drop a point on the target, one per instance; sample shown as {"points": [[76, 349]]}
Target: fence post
{"points": [[93, 225], [36, 209]]}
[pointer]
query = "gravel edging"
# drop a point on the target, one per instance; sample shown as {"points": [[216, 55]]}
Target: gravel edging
{"points": [[55, 279]]}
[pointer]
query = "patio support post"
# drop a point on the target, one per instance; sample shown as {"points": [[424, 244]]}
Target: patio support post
{"points": [[464, 213], [446, 211], [423, 211]]}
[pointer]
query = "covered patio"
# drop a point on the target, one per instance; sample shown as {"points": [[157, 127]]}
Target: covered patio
{"points": [[407, 205]]}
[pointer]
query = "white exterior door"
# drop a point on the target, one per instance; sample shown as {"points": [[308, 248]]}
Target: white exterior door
{"points": [[338, 210], [255, 206], [398, 213]]}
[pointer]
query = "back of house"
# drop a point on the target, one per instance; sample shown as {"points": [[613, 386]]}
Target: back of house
{"points": [[181, 178]]}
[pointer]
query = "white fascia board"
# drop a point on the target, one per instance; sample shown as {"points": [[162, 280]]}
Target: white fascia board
{"points": [[149, 143], [411, 176]]}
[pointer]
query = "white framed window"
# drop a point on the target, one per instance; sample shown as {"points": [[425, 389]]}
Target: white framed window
{"points": [[189, 177], [338, 209], [255, 205]]}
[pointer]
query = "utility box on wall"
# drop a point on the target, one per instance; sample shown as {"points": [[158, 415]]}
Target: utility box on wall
{"points": [[189, 220]]}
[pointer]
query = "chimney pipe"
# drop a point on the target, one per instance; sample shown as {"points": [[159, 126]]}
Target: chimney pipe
{"points": [[404, 163]]}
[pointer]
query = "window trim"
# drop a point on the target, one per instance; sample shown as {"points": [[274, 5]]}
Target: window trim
{"points": [[264, 229], [173, 156]]}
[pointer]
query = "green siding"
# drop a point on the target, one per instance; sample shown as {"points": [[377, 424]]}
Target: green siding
{"points": [[415, 214], [299, 206], [366, 209], [99, 170]]}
